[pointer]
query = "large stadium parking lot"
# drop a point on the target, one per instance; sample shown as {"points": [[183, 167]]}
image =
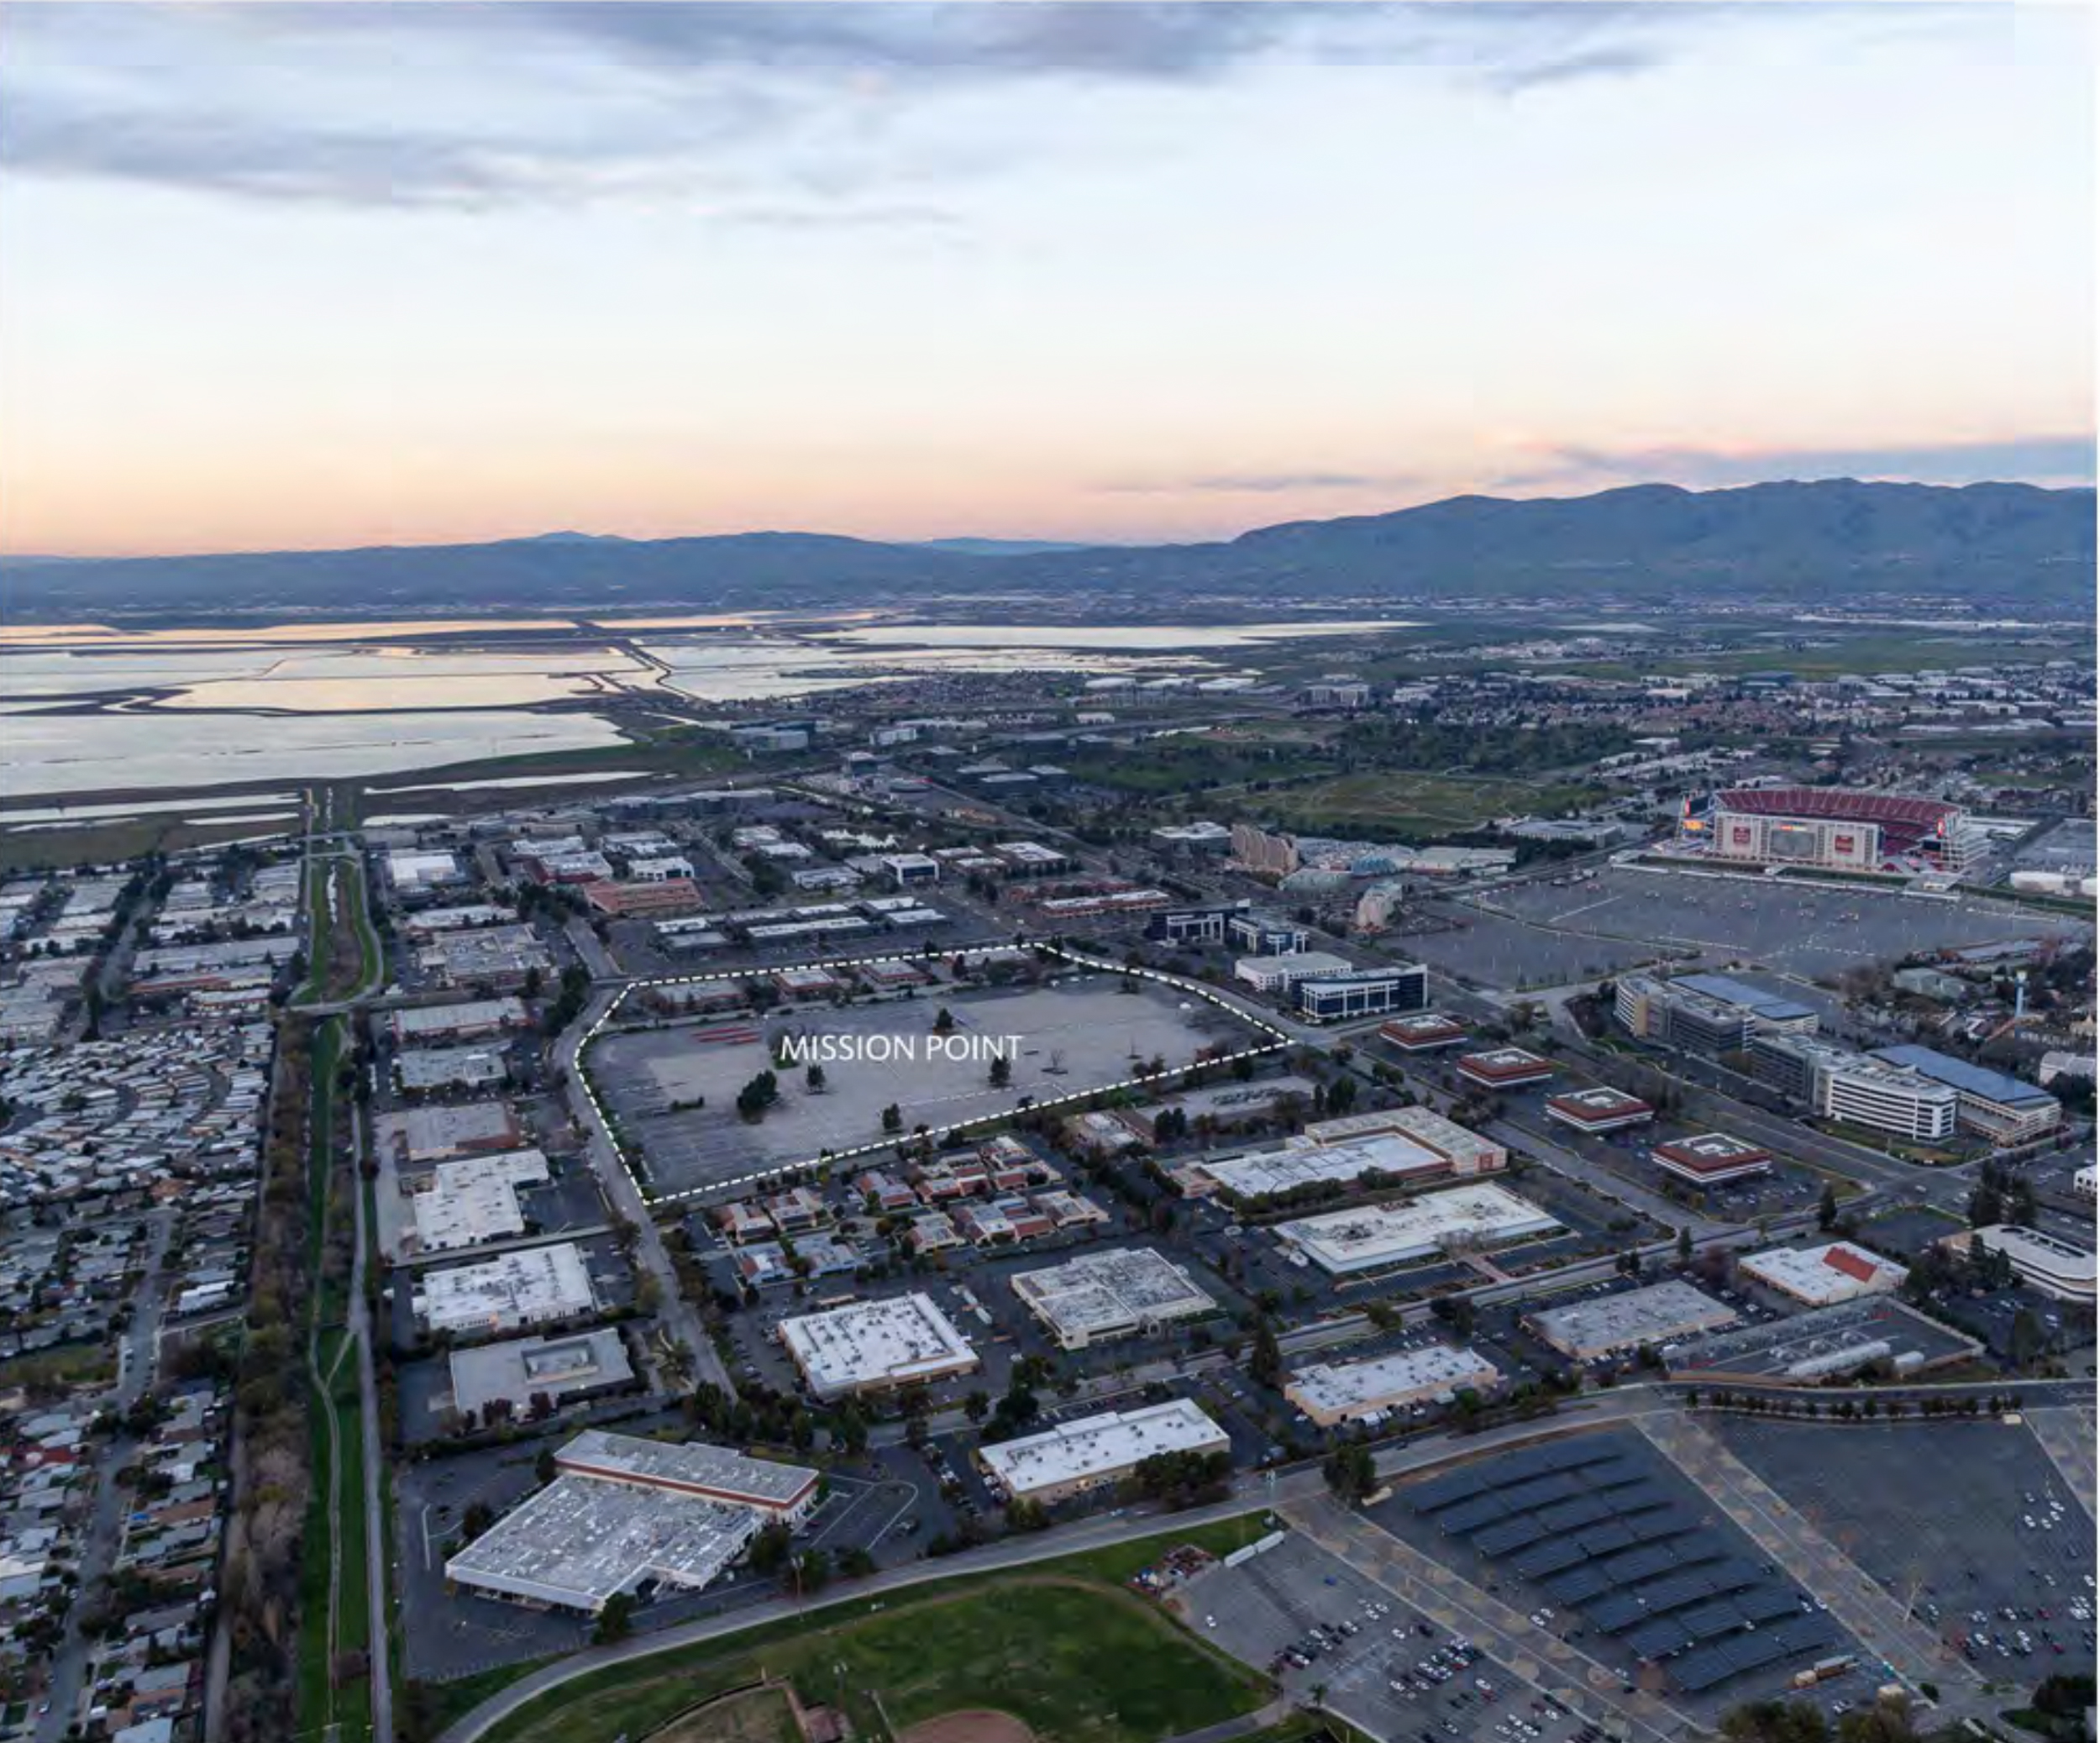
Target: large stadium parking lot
{"points": [[1358, 1640], [1799, 928], [1078, 1034], [1953, 1519]]}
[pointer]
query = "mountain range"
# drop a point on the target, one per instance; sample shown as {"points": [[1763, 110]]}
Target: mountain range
{"points": [[1830, 541]]}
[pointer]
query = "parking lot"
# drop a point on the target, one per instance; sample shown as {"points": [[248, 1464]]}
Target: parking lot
{"points": [[676, 1089], [1383, 1664], [1642, 1509], [1960, 1522], [1627, 917]]}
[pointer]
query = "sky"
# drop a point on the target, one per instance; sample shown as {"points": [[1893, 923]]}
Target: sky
{"points": [[308, 275]]}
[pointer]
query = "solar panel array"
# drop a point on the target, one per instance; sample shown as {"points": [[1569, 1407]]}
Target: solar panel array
{"points": [[1591, 1524]]}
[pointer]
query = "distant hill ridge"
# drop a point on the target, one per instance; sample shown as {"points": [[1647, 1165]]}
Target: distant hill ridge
{"points": [[1996, 545]]}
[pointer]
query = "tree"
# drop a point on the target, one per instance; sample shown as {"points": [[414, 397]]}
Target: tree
{"points": [[1002, 1071], [1265, 1357], [855, 1562], [770, 1548], [1775, 1721], [1826, 1208], [977, 1405], [2025, 1338], [943, 1021], [811, 1571], [893, 1118], [1684, 1244], [1350, 1473], [813, 1079], [543, 1466], [615, 1621]]}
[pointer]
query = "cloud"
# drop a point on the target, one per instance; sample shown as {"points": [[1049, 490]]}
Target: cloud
{"points": [[2053, 457], [459, 106], [1263, 483]]}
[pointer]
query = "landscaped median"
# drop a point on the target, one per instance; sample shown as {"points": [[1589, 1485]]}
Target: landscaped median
{"points": [[1063, 1646]]}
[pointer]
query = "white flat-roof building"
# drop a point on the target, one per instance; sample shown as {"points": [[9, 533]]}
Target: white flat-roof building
{"points": [[417, 1024], [694, 1468], [511, 1290], [872, 1345], [1458, 1218], [475, 1199], [579, 1541], [1658, 1315], [412, 869], [1102, 1295], [2056, 1268], [1822, 1276], [1347, 1391], [559, 1368], [1467, 1151], [1280, 973], [1098, 1449], [1269, 1172]]}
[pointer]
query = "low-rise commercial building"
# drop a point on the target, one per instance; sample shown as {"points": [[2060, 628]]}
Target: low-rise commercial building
{"points": [[1098, 1296], [512, 1373], [506, 1293], [1424, 1033], [472, 1020], [2054, 1266], [1097, 1450], [1368, 992], [1504, 1067], [473, 1200], [1822, 1276], [1657, 1317], [1353, 1391], [1711, 1158], [876, 1346], [1281, 973], [1598, 1109], [1457, 1219]]}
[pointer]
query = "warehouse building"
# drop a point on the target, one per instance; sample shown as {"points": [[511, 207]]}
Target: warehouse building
{"points": [[1991, 1104], [1457, 1219], [1659, 1315], [1822, 1276], [1096, 1451], [876, 1346], [1099, 1296], [472, 1020], [414, 1139], [1467, 1151], [1270, 1172], [475, 1200], [506, 1293], [1712, 1158], [1366, 1391], [517, 1371], [424, 1069], [1504, 1068], [625, 1514], [2055, 1267], [1600, 1110]]}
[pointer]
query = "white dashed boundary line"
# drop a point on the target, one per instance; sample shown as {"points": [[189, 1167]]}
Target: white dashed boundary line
{"points": [[650, 1201]]}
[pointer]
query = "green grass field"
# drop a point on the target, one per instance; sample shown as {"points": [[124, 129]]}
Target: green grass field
{"points": [[1077, 1663], [1408, 803], [682, 1677]]}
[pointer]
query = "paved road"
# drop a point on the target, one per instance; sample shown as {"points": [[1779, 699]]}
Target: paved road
{"points": [[99, 1540], [378, 1584], [676, 1315], [1251, 1495]]}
